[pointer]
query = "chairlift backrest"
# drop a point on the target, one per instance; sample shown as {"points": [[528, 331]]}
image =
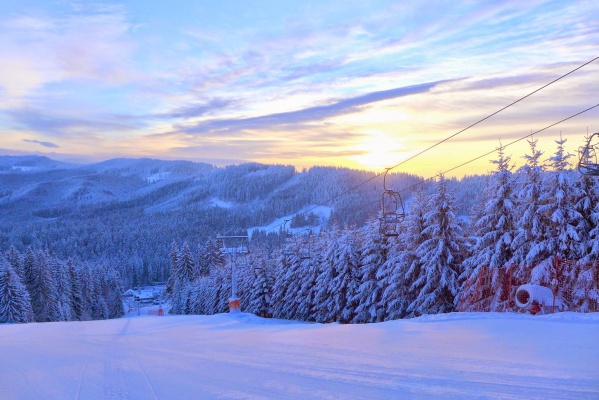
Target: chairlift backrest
{"points": [[392, 213], [587, 162]]}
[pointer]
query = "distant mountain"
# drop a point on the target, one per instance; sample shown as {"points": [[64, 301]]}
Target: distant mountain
{"points": [[30, 164], [132, 209]]}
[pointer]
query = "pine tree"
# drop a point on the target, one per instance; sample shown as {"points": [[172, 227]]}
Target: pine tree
{"points": [[202, 298], [113, 293], [63, 289], [261, 292], [89, 298], [76, 300], [185, 272], [440, 256], [174, 255], [210, 257], [14, 259], [530, 222], [585, 198], [338, 282], [559, 234], [15, 306], [369, 293], [182, 278], [43, 292], [286, 286], [399, 294], [585, 291], [495, 231]]}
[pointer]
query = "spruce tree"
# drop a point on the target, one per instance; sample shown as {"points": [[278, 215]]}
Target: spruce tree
{"points": [[261, 292], [15, 306], [370, 291], [531, 221], [440, 256], [338, 281], [43, 292], [402, 278], [560, 239], [494, 232], [76, 300], [174, 255]]}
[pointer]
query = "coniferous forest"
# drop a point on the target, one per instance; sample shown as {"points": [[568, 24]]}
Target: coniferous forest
{"points": [[464, 245]]}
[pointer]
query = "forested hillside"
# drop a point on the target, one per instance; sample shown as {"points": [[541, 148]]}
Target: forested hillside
{"points": [[536, 225], [127, 212], [149, 220]]}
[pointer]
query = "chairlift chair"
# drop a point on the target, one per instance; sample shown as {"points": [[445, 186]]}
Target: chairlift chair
{"points": [[393, 212], [587, 162]]}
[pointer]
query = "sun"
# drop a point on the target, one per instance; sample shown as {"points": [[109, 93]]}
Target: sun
{"points": [[378, 151]]}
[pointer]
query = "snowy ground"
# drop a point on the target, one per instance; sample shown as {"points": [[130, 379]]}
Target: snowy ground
{"points": [[455, 356], [323, 213]]}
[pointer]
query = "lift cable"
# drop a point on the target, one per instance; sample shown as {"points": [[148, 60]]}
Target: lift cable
{"points": [[502, 146], [495, 113], [445, 140], [470, 161]]}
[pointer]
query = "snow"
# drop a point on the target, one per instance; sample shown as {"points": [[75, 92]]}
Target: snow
{"points": [[24, 169], [159, 176], [322, 212], [216, 202], [241, 356]]}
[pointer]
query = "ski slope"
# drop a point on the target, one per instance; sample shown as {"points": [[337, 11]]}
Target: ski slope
{"points": [[240, 356]]}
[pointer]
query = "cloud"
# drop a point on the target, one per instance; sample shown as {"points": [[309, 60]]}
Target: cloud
{"points": [[317, 113], [199, 109], [91, 43], [45, 144], [65, 126]]}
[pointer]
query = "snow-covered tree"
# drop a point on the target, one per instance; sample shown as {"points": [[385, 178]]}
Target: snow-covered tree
{"points": [[15, 306], [186, 266], [113, 292], [43, 290], [403, 265], [76, 300], [63, 289], [440, 256], [286, 286], [338, 282], [14, 259], [531, 221], [370, 291], [209, 257], [174, 257], [494, 231], [560, 219], [261, 292]]}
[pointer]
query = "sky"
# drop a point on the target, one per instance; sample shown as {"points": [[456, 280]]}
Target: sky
{"points": [[359, 84]]}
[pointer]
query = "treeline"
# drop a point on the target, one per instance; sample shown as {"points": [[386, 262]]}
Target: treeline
{"points": [[36, 287], [523, 220], [114, 212]]}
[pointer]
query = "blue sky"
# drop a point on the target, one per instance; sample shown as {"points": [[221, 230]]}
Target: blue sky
{"points": [[345, 83]]}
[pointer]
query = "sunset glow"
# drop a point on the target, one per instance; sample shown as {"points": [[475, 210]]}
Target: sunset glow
{"points": [[358, 84]]}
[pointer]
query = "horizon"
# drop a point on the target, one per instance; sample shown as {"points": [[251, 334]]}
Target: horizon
{"points": [[362, 85]]}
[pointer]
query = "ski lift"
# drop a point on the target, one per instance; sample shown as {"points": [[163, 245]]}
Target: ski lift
{"points": [[294, 246], [305, 253], [587, 162], [284, 231], [393, 212], [288, 251]]}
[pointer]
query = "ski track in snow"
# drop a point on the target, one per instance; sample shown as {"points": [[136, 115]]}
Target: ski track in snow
{"points": [[456, 356]]}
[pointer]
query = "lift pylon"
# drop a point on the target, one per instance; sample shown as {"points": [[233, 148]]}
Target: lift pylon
{"points": [[234, 252]]}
